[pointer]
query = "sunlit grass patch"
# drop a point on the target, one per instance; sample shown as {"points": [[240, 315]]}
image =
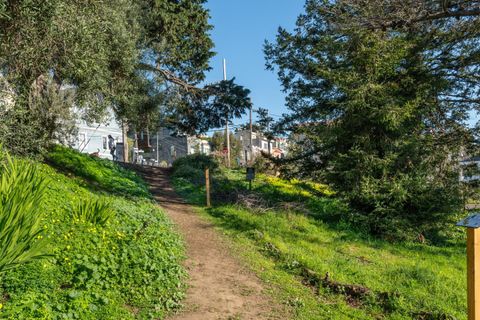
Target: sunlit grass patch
{"points": [[315, 265], [102, 174]]}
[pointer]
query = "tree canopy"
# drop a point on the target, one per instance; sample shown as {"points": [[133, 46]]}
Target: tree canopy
{"points": [[144, 58]]}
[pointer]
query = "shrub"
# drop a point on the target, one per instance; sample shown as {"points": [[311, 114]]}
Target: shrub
{"points": [[21, 192], [94, 211], [406, 205], [197, 161], [194, 175], [262, 164], [192, 168]]}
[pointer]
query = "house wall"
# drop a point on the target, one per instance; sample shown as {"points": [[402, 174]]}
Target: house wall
{"points": [[259, 143], [170, 147], [93, 137], [90, 138], [197, 145]]}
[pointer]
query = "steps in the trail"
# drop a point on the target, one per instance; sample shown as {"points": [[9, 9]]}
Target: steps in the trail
{"points": [[149, 173], [158, 180], [146, 170]]}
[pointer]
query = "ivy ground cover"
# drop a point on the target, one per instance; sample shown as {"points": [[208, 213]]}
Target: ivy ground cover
{"points": [[112, 253]]}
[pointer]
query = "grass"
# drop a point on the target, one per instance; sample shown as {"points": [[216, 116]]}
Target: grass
{"points": [[127, 265], [101, 175], [294, 249], [95, 212]]}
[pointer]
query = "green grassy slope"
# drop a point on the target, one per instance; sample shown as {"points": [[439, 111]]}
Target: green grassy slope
{"points": [[287, 238], [128, 269]]}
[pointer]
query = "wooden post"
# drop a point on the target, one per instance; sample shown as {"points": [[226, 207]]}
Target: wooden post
{"points": [[207, 186], [473, 273], [472, 223]]}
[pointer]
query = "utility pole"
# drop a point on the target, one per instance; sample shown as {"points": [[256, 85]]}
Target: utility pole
{"points": [[125, 141], [251, 134], [158, 152], [135, 147], [227, 131], [268, 138]]}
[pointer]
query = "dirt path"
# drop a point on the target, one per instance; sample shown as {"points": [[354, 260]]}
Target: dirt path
{"points": [[219, 286]]}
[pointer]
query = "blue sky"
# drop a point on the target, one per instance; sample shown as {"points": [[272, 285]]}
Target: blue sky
{"points": [[240, 29]]}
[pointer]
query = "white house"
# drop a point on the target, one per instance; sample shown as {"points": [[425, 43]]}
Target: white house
{"points": [[198, 145], [93, 138]]}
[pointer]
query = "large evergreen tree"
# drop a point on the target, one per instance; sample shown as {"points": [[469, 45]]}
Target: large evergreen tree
{"points": [[380, 112]]}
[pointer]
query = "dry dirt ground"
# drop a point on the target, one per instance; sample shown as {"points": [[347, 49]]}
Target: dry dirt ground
{"points": [[220, 287]]}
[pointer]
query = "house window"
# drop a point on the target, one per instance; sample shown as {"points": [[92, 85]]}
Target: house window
{"points": [[104, 143], [265, 145]]}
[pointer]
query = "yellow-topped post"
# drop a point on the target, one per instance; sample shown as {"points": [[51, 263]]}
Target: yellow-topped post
{"points": [[472, 223]]}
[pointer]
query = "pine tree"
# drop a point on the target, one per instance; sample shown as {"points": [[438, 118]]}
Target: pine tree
{"points": [[372, 119]]}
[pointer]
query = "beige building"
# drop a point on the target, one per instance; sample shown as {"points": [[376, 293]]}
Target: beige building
{"points": [[170, 146], [277, 147]]}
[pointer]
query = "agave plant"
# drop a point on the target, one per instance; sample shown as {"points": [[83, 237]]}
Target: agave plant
{"points": [[94, 211], [22, 189]]}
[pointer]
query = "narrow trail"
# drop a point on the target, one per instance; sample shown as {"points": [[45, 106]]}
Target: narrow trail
{"points": [[219, 286]]}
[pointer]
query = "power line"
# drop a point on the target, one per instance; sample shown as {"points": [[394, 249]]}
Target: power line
{"points": [[275, 115], [238, 126]]}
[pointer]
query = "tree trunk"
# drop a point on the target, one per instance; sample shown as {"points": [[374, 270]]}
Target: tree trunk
{"points": [[125, 141]]}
